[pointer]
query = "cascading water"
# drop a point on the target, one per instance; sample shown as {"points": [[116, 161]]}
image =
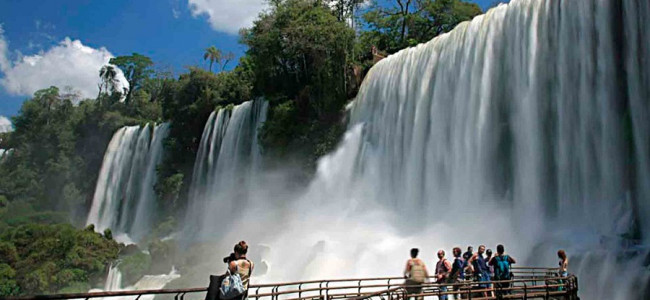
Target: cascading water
{"points": [[225, 167], [124, 199], [527, 126], [148, 282]]}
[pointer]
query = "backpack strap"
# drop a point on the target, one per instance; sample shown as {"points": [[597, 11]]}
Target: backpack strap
{"points": [[250, 269]]}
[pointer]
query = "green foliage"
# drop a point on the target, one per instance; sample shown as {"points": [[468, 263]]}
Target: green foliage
{"points": [[136, 69], [133, 267], [407, 23], [300, 52], [40, 258]]}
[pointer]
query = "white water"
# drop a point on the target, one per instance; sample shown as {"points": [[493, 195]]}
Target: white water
{"points": [[124, 199], [225, 167], [147, 282], [527, 126]]}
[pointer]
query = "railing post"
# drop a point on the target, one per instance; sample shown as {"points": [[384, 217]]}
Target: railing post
{"points": [[359, 285], [300, 290], [547, 291], [320, 289], [525, 291], [327, 290]]}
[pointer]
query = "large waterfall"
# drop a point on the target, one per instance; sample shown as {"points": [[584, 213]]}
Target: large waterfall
{"points": [[225, 168], [124, 199], [528, 126]]}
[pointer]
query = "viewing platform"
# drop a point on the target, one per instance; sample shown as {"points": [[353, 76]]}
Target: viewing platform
{"points": [[527, 283]]}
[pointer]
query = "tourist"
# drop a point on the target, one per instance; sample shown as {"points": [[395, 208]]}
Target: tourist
{"points": [[480, 269], [415, 273], [488, 256], [443, 269], [564, 266], [501, 263], [466, 256], [242, 266], [457, 270]]}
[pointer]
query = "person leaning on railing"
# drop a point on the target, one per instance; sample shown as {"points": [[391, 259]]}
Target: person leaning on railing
{"points": [[415, 273], [242, 266]]}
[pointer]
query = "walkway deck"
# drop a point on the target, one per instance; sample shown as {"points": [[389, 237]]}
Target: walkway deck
{"points": [[528, 283]]}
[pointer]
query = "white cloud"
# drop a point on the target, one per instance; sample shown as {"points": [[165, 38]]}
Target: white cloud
{"points": [[228, 15], [68, 64], [5, 124], [4, 50]]}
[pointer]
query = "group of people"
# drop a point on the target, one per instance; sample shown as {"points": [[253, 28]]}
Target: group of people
{"points": [[481, 266]]}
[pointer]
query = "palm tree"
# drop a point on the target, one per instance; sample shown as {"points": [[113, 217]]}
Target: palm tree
{"points": [[225, 59], [213, 54], [107, 74]]}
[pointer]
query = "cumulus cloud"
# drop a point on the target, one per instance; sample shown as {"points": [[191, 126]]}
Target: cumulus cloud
{"points": [[5, 124], [228, 15], [68, 64], [4, 50]]}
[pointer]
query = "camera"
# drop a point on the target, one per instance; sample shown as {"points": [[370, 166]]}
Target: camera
{"points": [[229, 258]]}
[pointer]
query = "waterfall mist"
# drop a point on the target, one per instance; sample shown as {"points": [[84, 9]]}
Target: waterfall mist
{"points": [[528, 126]]}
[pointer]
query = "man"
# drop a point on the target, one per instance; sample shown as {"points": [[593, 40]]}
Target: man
{"points": [[415, 273], [443, 269], [480, 269], [242, 266], [502, 263], [457, 270]]}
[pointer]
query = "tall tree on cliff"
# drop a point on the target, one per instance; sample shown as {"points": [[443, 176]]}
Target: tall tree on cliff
{"points": [[136, 69]]}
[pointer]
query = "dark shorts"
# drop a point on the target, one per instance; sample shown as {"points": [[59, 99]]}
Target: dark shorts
{"points": [[413, 287]]}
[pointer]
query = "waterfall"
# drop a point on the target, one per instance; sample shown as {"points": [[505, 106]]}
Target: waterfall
{"points": [[225, 166], [148, 282], [124, 195], [528, 125], [113, 279]]}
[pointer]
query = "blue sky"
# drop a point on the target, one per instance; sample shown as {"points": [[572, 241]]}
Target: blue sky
{"points": [[38, 37]]}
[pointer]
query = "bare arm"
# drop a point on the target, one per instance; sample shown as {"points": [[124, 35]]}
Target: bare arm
{"points": [[407, 269], [511, 260], [470, 266]]}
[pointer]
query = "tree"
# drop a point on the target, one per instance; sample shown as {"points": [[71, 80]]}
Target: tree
{"points": [[213, 55], [107, 74], [225, 59], [136, 69], [409, 22], [300, 51]]}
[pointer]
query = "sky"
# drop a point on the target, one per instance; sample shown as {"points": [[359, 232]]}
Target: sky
{"points": [[65, 42]]}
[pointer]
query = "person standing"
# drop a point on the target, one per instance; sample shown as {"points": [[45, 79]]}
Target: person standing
{"points": [[488, 256], [242, 266], [480, 269], [415, 273], [457, 270], [502, 262], [564, 266], [443, 269]]}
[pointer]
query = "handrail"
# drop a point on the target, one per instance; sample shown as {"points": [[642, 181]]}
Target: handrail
{"points": [[362, 287]]}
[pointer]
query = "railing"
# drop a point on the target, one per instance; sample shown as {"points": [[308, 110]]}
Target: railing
{"points": [[528, 283]]}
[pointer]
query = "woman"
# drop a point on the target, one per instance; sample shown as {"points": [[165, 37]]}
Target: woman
{"points": [[564, 266], [242, 266]]}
